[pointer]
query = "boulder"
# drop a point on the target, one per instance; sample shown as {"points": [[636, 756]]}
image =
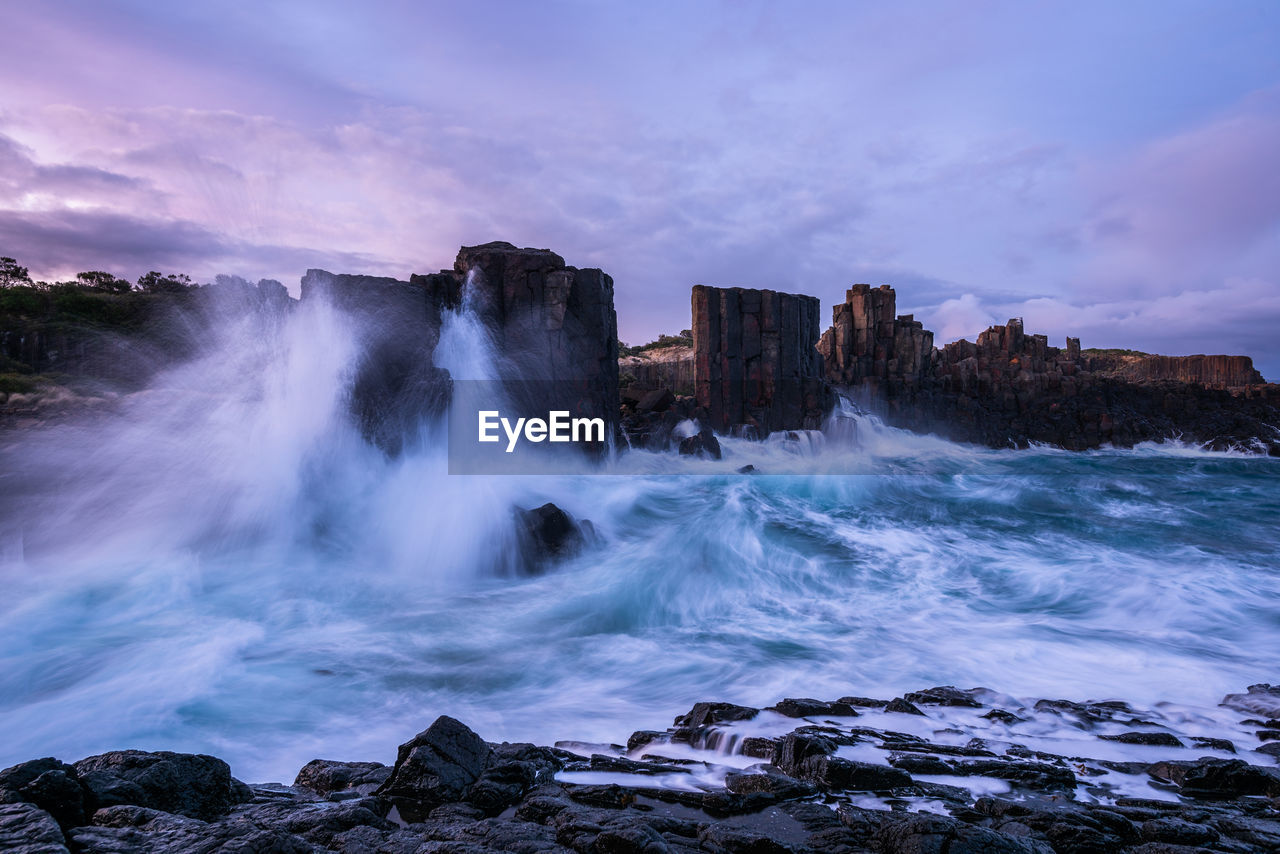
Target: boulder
{"points": [[549, 533], [326, 777], [27, 829], [194, 785], [701, 444], [53, 786], [437, 766], [658, 400]]}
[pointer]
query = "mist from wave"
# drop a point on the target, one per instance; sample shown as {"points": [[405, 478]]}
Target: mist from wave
{"points": [[224, 565]]}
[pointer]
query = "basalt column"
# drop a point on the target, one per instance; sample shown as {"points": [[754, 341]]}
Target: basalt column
{"points": [[554, 326], [868, 345], [755, 360]]}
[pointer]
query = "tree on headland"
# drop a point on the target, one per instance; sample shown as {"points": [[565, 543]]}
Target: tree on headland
{"points": [[155, 282], [12, 274], [99, 280]]}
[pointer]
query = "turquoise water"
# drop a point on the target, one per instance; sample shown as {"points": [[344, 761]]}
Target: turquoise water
{"points": [[224, 566]]}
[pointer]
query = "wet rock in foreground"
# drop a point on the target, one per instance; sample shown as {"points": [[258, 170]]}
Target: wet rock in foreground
{"points": [[805, 775]]}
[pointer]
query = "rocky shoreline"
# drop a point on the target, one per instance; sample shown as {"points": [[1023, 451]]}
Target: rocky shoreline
{"points": [[757, 361], [939, 770]]}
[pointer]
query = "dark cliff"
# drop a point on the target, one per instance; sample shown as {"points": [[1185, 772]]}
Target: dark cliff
{"points": [[1211, 371], [555, 326], [1010, 388], [755, 362]]}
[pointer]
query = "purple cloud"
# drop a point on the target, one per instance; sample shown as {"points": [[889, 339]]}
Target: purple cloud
{"points": [[965, 155]]}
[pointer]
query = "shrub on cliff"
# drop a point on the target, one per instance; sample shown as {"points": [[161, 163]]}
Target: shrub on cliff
{"points": [[684, 339], [105, 282], [156, 282]]}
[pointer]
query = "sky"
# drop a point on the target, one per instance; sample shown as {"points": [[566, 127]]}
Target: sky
{"points": [[1104, 170]]}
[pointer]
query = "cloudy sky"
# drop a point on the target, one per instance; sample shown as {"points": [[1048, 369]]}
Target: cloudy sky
{"points": [[1110, 170]]}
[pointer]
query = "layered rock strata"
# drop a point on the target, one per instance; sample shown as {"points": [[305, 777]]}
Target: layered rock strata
{"points": [[1211, 371]]}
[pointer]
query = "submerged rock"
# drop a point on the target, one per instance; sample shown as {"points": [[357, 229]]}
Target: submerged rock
{"points": [[701, 444], [549, 533]]}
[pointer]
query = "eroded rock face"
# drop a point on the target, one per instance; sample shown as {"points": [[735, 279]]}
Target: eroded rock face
{"points": [[1210, 371], [27, 829], [755, 362], [397, 327], [868, 344], [325, 777], [669, 368], [553, 323], [1010, 388]]}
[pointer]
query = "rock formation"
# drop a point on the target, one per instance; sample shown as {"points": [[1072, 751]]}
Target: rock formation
{"points": [[668, 368], [868, 344], [1208, 371], [989, 781], [398, 326], [755, 362], [1009, 388], [555, 326]]}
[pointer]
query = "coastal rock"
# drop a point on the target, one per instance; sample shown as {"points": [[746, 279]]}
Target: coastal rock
{"points": [[663, 367], [556, 326], [658, 400], [771, 782], [1178, 832], [1262, 699], [832, 772], [550, 533], [705, 714], [929, 834], [1163, 739], [796, 749], [945, 695], [868, 345], [755, 363], [27, 829], [396, 384], [437, 766], [194, 785], [461, 795], [1009, 388], [902, 706], [701, 444], [326, 777], [1210, 371], [1229, 778], [806, 707], [53, 786]]}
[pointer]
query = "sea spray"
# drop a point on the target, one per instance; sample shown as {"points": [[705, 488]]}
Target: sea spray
{"points": [[225, 564]]}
